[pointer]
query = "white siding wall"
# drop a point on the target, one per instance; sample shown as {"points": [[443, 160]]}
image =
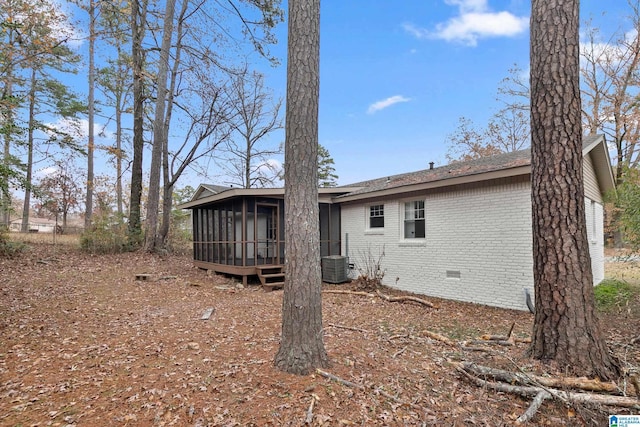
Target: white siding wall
{"points": [[591, 188], [594, 213], [482, 233]]}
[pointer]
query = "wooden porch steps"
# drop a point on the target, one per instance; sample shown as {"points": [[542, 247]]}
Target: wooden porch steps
{"points": [[271, 276]]}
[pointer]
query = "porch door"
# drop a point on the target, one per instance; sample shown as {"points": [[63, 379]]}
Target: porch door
{"points": [[267, 232]]}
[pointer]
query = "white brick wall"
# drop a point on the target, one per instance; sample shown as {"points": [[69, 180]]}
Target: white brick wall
{"points": [[482, 233]]}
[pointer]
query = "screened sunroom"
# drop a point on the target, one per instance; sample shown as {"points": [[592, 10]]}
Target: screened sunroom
{"points": [[241, 231]]}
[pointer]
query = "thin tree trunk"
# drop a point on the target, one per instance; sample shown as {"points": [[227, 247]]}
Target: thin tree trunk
{"points": [[119, 160], [88, 213], [302, 346], [159, 133], [138, 22], [566, 328], [169, 181], [29, 178]]}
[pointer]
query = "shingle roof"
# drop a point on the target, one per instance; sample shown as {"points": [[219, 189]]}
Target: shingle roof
{"points": [[482, 165], [216, 188], [453, 170]]}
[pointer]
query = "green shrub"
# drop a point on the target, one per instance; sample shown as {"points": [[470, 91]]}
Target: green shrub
{"points": [[105, 237], [613, 294]]}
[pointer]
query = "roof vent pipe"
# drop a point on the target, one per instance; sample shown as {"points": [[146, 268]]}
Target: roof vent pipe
{"points": [[431, 165]]}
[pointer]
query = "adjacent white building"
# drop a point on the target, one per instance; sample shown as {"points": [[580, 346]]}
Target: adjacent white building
{"points": [[461, 231]]}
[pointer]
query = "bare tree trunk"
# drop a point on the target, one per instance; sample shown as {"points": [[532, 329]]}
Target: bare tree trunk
{"points": [[138, 22], [566, 328], [302, 346], [119, 160], [159, 132], [88, 213], [27, 191]]}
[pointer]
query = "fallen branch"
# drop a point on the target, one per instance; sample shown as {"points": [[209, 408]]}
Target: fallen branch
{"points": [[349, 328], [581, 383], [439, 337], [536, 403], [381, 295], [541, 393], [507, 337], [309, 419], [338, 379], [399, 352], [479, 349], [405, 298], [492, 342], [340, 291]]}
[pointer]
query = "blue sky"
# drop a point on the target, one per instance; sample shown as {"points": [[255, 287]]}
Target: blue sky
{"points": [[395, 76]]}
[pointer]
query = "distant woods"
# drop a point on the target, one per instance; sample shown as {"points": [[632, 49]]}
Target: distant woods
{"points": [[158, 90]]}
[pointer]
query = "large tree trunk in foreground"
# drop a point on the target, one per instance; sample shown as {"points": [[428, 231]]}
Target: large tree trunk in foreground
{"points": [[566, 328], [302, 346]]}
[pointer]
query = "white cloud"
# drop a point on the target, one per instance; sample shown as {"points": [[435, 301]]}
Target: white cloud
{"points": [[44, 172], [381, 105], [79, 129], [269, 167], [475, 21]]}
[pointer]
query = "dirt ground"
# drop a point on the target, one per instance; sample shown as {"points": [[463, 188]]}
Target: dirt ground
{"points": [[83, 343]]}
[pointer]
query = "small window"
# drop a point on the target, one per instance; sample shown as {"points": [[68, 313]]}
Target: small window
{"points": [[376, 216], [414, 220]]}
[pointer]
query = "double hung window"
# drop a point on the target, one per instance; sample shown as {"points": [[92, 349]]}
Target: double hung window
{"points": [[414, 226], [376, 216]]}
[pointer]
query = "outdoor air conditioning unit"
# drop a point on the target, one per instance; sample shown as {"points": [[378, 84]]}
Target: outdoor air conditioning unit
{"points": [[334, 269]]}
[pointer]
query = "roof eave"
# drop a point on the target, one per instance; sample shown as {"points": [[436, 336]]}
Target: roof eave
{"points": [[601, 163], [485, 176]]}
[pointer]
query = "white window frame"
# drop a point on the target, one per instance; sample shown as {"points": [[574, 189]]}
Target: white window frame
{"points": [[369, 211], [404, 219]]}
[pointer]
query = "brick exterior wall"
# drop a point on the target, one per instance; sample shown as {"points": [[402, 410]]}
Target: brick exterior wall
{"points": [[477, 244]]}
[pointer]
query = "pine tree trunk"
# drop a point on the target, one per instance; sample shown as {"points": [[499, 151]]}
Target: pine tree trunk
{"points": [[302, 346], [138, 22], [88, 213], [566, 328]]}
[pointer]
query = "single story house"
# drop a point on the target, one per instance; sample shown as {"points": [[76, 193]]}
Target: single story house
{"points": [[461, 231], [36, 225]]}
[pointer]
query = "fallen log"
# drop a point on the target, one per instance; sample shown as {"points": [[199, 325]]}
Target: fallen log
{"points": [[580, 383], [540, 394]]}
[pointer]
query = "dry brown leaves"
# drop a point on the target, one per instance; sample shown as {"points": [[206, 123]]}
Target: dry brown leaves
{"points": [[82, 342]]}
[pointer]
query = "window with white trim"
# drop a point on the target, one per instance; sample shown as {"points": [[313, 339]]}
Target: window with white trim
{"points": [[376, 216], [414, 226]]}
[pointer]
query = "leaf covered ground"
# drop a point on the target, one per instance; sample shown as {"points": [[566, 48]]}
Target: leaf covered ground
{"points": [[82, 342]]}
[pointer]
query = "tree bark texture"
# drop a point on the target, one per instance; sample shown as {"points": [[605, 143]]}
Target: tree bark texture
{"points": [[138, 23], [29, 179], [566, 327], [160, 133], [88, 211], [302, 346]]}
